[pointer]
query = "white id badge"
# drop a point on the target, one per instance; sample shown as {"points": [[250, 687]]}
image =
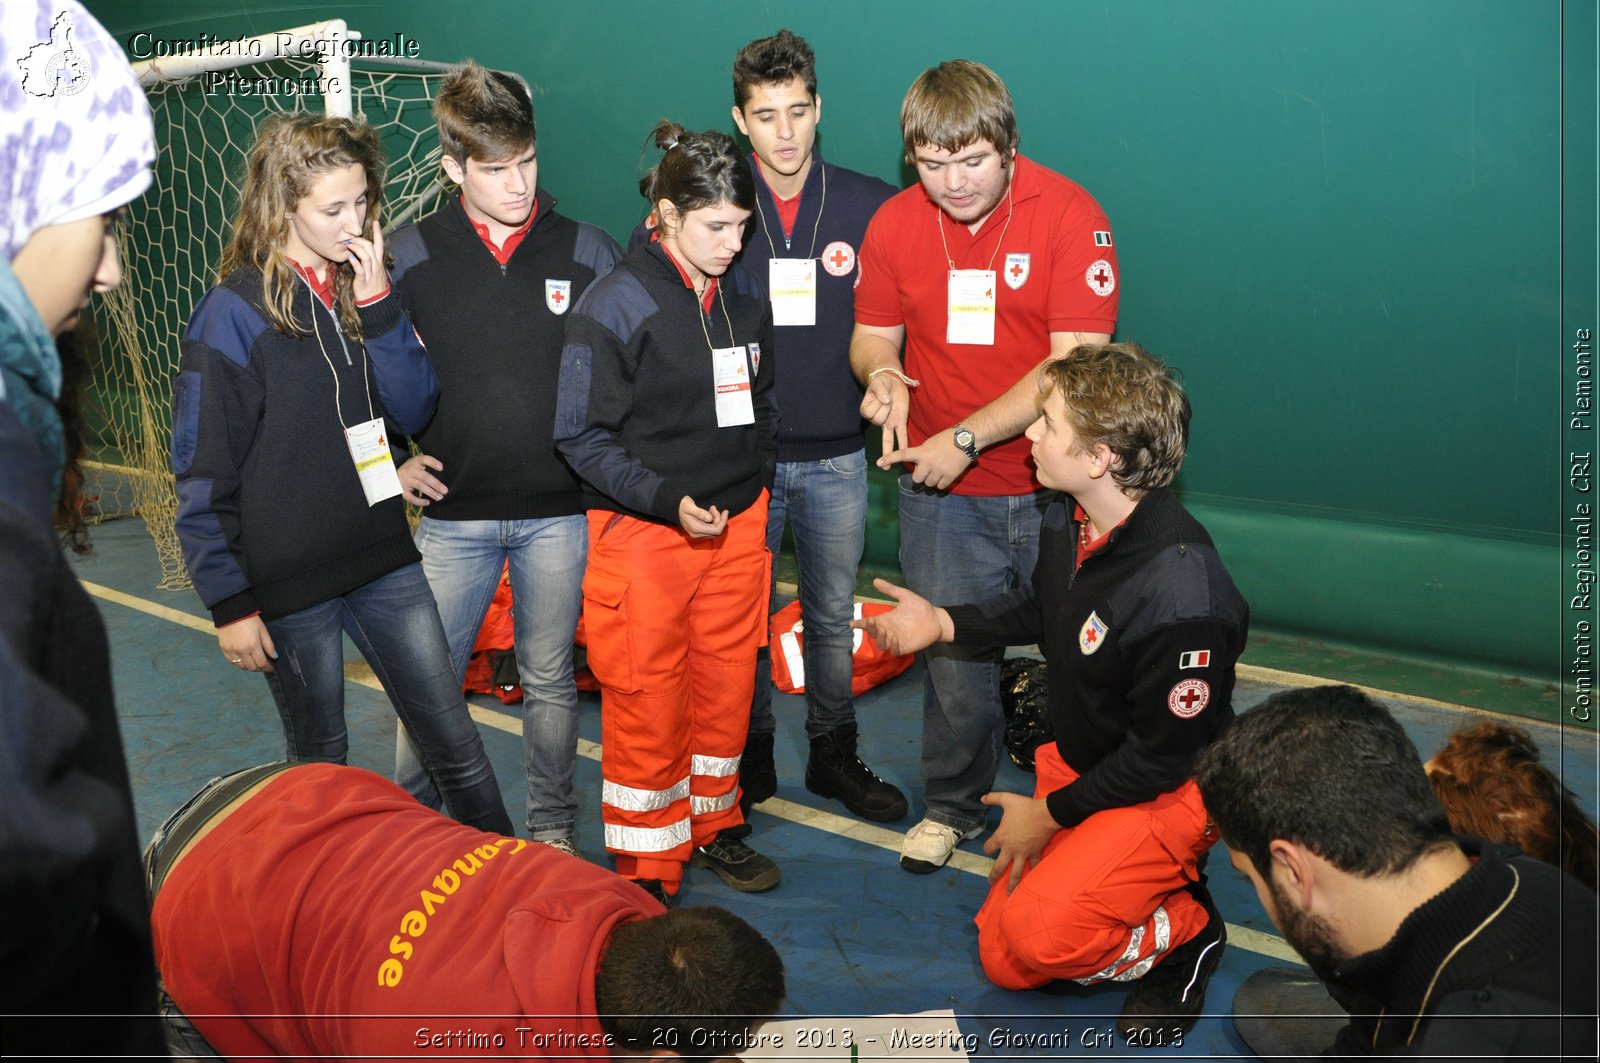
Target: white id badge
{"points": [[369, 449], [970, 311], [733, 387], [793, 282]]}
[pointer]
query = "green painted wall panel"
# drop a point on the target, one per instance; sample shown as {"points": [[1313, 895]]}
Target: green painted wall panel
{"points": [[1341, 220]]}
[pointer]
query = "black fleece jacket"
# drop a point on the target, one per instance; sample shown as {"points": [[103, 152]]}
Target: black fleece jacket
{"points": [[1141, 643], [1482, 971], [271, 513], [637, 416], [494, 334]]}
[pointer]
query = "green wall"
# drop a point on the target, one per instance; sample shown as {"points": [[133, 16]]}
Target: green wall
{"points": [[1341, 219]]}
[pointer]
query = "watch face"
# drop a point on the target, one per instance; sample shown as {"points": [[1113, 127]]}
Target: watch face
{"points": [[966, 440]]}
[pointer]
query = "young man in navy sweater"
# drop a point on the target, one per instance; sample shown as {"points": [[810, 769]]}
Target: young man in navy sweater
{"points": [[487, 281], [802, 245]]}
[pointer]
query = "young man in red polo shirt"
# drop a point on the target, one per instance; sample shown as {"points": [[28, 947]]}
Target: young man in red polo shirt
{"points": [[989, 267]]}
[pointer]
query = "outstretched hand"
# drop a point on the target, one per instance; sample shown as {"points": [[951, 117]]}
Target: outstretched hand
{"points": [[913, 624]]}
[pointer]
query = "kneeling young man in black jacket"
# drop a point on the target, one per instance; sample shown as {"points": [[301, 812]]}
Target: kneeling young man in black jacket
{"points": [[1097, 875]]}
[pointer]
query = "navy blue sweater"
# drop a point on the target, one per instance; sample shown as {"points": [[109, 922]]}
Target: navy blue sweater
{"points": [[818, 399], [271, 513], [494, 334], [636, 416]]}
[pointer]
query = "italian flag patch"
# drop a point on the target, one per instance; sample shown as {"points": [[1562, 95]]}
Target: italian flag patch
{"points": [[1195, 659]]}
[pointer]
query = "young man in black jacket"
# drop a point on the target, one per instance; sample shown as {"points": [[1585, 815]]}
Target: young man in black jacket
{"points": [[1097, 877], [488, 280], [1432, 945]]}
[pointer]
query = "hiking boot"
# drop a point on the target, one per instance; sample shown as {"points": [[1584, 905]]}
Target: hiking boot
{"points": [[1171, 995], [737, 864], [758, 776], [928, 846], [563, 845], [834, 770]]}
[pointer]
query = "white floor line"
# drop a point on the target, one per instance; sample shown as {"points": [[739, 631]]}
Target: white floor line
{"points": [[360, 673]]}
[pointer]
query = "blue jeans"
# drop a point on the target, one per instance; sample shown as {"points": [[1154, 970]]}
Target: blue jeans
{"points": [[463, 560], [394, 624], [958, 550], [827, 503]]}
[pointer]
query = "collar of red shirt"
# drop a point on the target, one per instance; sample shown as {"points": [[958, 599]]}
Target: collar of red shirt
{"points": [[788, 209], [322, 289], [502, 254], [711, 282], [1087, 550]]}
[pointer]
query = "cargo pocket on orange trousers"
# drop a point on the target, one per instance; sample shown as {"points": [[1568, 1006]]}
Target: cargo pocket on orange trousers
{"points": [[606, 626], [1179, 822]]}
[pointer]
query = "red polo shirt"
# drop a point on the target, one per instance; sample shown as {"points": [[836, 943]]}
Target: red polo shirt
{"points": [[1056, 271]]}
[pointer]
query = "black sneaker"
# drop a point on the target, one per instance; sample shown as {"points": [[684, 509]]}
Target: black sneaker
{"points": [[1170, 997], [834, 770], [738, 865], [758, 776], [654, 887]]}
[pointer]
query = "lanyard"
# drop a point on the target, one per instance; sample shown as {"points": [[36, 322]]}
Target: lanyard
{"points": [[338, 407], [938, 219], [814, 226]]}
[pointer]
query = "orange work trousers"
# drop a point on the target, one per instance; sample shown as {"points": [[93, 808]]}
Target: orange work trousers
{"points": [[673, 624], [1106, 900]]}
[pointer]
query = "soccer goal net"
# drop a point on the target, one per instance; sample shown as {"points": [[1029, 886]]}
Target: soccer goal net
{"points": [[207, 104]]}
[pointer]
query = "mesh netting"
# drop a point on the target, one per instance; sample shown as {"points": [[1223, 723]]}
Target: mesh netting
{"points": [[171, 246]]}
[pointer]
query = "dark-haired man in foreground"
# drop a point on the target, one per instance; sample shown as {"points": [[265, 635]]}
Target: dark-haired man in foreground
{"points": [[317, 910], [1438, 946]]}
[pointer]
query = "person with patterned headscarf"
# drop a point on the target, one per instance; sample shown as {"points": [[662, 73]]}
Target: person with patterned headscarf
{"points": [[76, 145]]}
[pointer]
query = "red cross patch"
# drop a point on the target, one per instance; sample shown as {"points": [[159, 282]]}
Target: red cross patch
{"points": [[557, 295], [1092, 635], [1018, 265], [1100, 277], [1187, 697], [839, 258]]}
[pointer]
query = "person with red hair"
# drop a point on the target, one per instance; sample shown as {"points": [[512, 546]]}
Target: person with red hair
{"points": [[1492, 785]]}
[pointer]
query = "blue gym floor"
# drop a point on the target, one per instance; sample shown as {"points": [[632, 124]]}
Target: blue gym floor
{"points": [[857, 934]]}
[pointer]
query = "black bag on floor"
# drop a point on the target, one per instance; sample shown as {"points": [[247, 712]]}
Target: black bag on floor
{"points": [[1023, 689]]}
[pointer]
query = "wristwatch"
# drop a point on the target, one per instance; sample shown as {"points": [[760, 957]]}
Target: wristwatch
{"points": [[966, 441]]}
